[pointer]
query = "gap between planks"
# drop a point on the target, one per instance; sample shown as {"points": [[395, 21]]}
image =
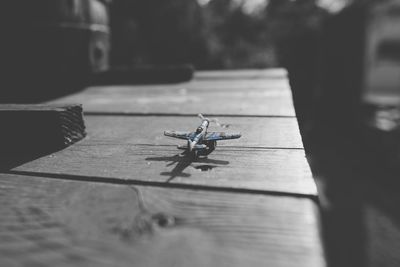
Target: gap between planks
{"points": [[232, 148], [137, 114], [119, 181]]}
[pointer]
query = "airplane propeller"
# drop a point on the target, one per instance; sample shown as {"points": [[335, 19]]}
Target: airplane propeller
{"points": [[201, 116], [214, 120]]}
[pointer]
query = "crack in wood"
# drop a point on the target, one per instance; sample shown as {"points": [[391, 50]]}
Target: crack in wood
{"points": [[137, 114], [219, 147]]}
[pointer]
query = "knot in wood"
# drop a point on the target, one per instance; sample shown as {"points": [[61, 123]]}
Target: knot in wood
{"points": [[163, 220]]}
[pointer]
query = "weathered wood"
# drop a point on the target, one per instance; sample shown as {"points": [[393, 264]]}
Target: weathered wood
{"points": [[134, 148], [32, 130], [47, 222], [261, 97], [256, 132], [137, 201], [281, 170]]}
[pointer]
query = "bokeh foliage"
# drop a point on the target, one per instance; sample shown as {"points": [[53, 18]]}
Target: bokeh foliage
{"points": [[218, 34]]}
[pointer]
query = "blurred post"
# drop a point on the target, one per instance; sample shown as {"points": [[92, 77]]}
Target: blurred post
{"points": [[50, 47], [295, 27], [350, 89]]}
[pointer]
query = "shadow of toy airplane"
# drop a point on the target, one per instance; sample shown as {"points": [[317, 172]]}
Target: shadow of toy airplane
{"points": [[183, 161]]}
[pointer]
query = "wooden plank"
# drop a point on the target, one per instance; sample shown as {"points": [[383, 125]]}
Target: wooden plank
{"points": [[271, 73], [256, 132], [281, 170], [29, 131], [134, 148], [60, 125], [48, 222], [261, 97]]}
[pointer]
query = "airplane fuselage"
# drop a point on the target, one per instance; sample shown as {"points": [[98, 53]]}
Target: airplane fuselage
{"points": [[196, 142]]}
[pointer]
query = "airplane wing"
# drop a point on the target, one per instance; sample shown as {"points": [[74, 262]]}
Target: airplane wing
{"points": [[215, 136], [179, 135]]}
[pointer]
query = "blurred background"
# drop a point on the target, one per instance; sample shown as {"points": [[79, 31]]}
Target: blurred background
{"points": [[211, 34], [57, 45]]}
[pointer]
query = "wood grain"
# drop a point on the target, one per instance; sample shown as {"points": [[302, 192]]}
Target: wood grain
{"points": [[135, 200], [262, 97], [256, 132], [47, 222], [228, 167]]}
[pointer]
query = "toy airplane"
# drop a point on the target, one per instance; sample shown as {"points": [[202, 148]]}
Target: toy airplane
{"points": [[201, 142]]}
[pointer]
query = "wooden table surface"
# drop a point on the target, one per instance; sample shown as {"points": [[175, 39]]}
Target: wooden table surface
{"points": [[125, 196]]}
